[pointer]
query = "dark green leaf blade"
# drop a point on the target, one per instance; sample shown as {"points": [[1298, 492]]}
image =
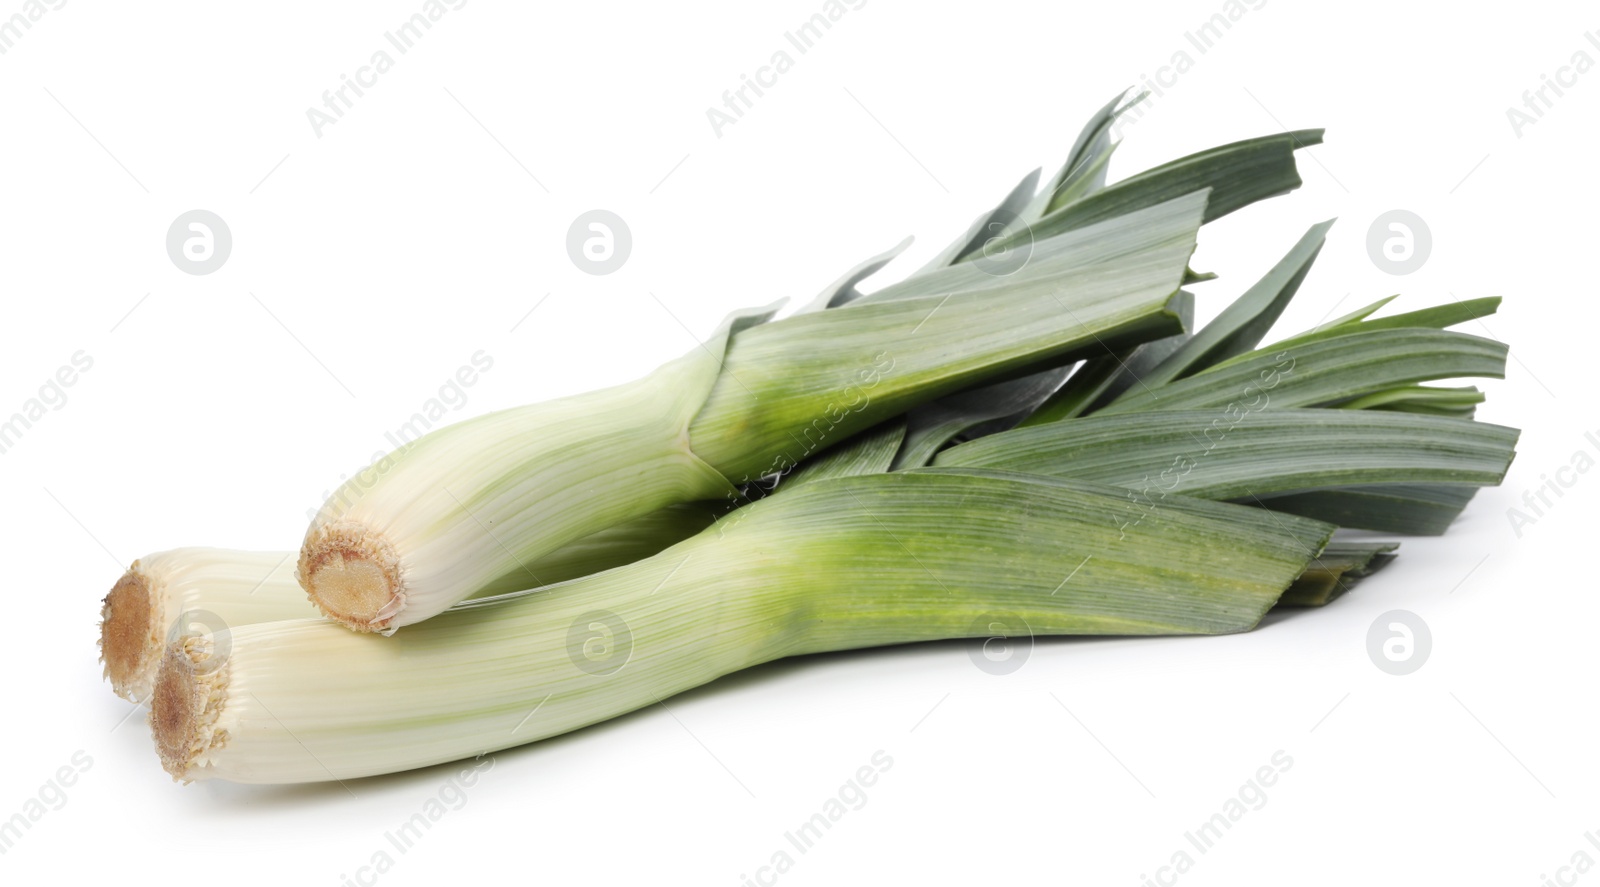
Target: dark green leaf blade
{"points": [[1325, 371], [1411, 509], [1242, 325], [1207, 455]]}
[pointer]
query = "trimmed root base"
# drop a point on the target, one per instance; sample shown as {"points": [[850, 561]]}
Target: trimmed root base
{"points": [[352, 575], [190, 692], [129, 640]]}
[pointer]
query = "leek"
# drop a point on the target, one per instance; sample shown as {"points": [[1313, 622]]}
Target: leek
{"points": [[929, 554], [467, 507], [1024, 437], [449, 516]]}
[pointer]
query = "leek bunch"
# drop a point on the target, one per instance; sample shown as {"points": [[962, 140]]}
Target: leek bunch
{"points": [[1024, 437]]}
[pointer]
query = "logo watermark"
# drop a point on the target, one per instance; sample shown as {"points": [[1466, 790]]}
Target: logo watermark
{"points": [[208, 625], [1001, 644], [997, 256], [199, 241], [599, 643], [1399, 242], [804, 37], [1398, 642], [599, 242]]}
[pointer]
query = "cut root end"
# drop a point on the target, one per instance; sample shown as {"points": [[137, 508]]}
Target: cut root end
{"points": [[189, 694], [352, 575], [129, 640]]}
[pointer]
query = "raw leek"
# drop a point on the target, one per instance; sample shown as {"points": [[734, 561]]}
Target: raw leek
{"points": [[1024, 437], [467, 507], [917, 555]]}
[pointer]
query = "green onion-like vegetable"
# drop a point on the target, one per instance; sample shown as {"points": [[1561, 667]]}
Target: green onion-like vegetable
{"points": [[1025, 437], [470, 505], [1036, 284], [832, 564]]}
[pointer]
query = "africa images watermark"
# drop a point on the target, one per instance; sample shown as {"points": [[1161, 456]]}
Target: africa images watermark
{"points": [[1251, 796], [451, 397], [1538, 100], [1255, 400], [1579, 863], [808, 440], [12, 29], [815, 436], [451, 797], [52, 396], [802, 839], [51, 797], [1202, 39], [403, 38], [802, 39], [1538, 501]]}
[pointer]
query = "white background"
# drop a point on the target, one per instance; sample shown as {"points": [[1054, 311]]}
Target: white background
{"points": [[369, 263]]}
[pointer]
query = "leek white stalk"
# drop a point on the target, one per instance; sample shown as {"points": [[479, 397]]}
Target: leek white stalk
{"points": [[185, 590], [832, 564], [167, 594], [457, 509], [470, 507]]}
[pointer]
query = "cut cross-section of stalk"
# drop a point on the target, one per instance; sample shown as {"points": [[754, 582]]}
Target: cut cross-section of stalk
{"points": [[170, 593], [1336, 570]]}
